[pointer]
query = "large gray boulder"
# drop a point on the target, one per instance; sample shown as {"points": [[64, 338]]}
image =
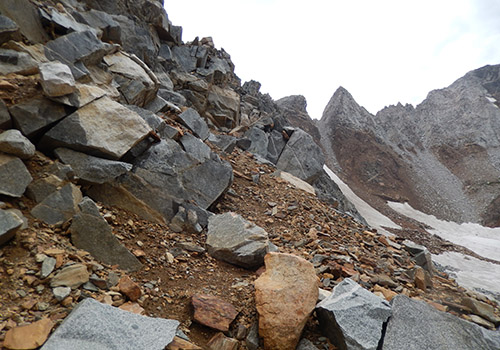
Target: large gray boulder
{"points": [[275, 146], [63, 22], [59, 206], [259, 141], [415, 325], [352, 317], [25, 14], [14, 143], [92, 169], [233, 239], [159, 125], [91, 232], [302, 157], [56, 79], [17, 62], [102, 128], [195, 147], [35, 115], [9, 224], [14, 177], [192, 120], [95, 326], [224, 106], [111, 31]]}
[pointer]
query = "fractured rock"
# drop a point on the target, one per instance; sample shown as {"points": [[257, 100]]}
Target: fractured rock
{"points": [[221, 342], [59, 206], [14, 176], [275, 146], [72, 276], [28, 337], [83, 329], [17, 62], [8, 29], [224, 106], [83, 95], [484, 310], [285, 296], [259, 141], [9, 224], [102, 128], [192, 120], [129, 288], [14, 143], [233, 239], [60, 293], [195, 147], [213, 312], [41, 188], [56, 79], [352, 317]]}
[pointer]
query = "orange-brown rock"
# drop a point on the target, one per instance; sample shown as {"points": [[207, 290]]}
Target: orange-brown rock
{"points": [[129, 288], [387, 293], [213, 312], [132, 307], [285, 296], [181, 344], [221, 342], [28, 337]]}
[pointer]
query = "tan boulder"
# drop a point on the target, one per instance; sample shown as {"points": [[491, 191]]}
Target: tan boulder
{"points": [[285, 295], [28, 337]]}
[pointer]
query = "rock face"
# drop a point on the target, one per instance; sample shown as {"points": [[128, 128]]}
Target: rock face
{"points": [[285, 296], [233, 239], [427, 155], [352, 317], [414, 325], [83, 329]]}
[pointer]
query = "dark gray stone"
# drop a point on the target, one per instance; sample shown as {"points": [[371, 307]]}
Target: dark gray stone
{"points": [[111, 31], [59, 206], [63, 22], [185, 57], [8, 30], [5, 121], [91, 232], [192, 120], [14, 177], [420, 255], [415, 325], [95, 326], [302, 157], [305, 344], [9, 224], [41, 188], [92, 169], [16, 62], [225, 143], [14, 143], [260, 141], [25, 14], [36, 115], [352, 317], [83, 95], [172, 96], [159, 125], [275, 146], [195, 147], [233, 239], [158, 104]]}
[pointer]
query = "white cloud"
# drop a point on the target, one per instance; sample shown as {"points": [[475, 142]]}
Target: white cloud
{"points": [[383, 51]]}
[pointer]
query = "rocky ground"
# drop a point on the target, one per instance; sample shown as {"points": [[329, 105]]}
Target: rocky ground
{"points": [[176, 265]]}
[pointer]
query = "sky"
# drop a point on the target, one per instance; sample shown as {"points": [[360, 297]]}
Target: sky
{"points": [[383, 52]]}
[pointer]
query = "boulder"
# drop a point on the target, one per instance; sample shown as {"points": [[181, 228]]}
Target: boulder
{"points": [[5, 121], [9, 225], [186, 57], [225, 143], [72, 276], [213, 312], [83, 95], [159, 125], [352, 317], [8, 30], [59, 206], [14, 143], [192, 120], [92, 169], [41, 188], [420, 255], [484, 310], [302, 157], [35, 115], [17, 62], [102, 128], [25, 14], [172, 96], [415, 325], [111, 31], [56, 79], [224, 106], [275, 146], [285, 296], [233, 239], [30, 336], [83, 329], [63, 22], [91, 232], [14, 177], [259, 141], [195, 147]]}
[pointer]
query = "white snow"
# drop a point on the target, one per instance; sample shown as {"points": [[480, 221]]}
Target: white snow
{"points": [[491, 99], [374, 218]]}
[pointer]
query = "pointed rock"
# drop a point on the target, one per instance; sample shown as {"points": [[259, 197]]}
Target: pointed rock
{"points": [[59, 206], [213, 312], [285, 296]]}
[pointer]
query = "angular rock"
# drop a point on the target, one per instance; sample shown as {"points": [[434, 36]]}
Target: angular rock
{"points": [[41, 188], [233, 239], [285, 296], [92, 169], [91, 232], [60, 293], [192, 120], [302, 157], [259, 141], [8, 30], [195, 147], [129, 288], [213, 312], [172, 97], [221, 342], [159, 125], [275, 146], [415, 325], [72, 276], [14, 177], [9, 224], [102, 128], [56, 79], [5, 121], [59, 206], [48, 266], [28, 337], [83, 95], [224, 142], [17, 62], [35, 115], [63, 22], [83, 329], [352, 317], [132, 307], [111, 31], [484, 310], [420, 254], [189, 218], [25, 15], [296, 182], [14, 143], [224, 106], [252, 340]]}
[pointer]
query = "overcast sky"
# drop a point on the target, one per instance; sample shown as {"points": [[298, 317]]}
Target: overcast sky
{"points": [[382, 52]]}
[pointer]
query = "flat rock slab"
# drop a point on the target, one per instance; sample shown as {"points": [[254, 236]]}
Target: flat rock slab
{"points": [[72, 276], [95, 326], [30, 336], [213, 312], [415, 325], [352, 317], [233, 239], [285, 296], [56, 79], [102, 128], [14, 143], [59, 206], [92, 169], [83, 95], [9, 224], [14, 176]]}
